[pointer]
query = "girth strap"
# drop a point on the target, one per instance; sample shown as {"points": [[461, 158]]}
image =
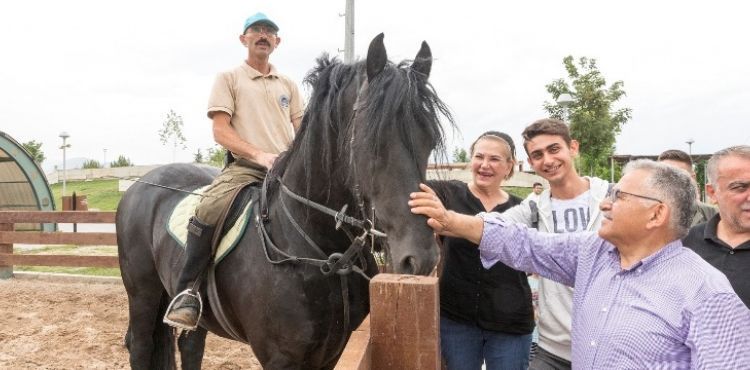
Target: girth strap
{"points": [[217, 308]]}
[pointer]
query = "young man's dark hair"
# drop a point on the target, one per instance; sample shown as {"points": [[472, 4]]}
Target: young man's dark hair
{"points": [[546, 126], [537, 184], [676, 155]]}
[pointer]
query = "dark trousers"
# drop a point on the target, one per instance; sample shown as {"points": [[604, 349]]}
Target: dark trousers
{"points": [[547, 361]]}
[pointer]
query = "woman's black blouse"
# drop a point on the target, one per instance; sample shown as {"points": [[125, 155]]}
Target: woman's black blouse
{"points": [[497, 299]]}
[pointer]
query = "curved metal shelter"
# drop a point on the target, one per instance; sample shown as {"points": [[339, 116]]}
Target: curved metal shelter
{"points": [[23, 185]]}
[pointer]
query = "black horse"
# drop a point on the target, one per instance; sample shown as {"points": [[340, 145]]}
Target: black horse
{"points": [[364, 143]]}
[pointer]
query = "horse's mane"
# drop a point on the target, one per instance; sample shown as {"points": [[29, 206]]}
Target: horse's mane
{"points": [[398, 94]]}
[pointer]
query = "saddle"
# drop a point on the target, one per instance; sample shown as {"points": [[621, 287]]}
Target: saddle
{"points": [[233, 227]]}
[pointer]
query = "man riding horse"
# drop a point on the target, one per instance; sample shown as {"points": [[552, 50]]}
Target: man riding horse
{"points": [[255, 112]]}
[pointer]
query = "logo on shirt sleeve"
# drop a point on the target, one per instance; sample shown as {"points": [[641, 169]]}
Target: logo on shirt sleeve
{"points": [[284, 101]]}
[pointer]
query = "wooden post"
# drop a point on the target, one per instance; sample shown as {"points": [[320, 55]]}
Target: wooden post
{"points": [[405, 322], [6, 270]]}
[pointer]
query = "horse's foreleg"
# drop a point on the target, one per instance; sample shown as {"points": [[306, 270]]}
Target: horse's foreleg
{"points": [[191, 346]]}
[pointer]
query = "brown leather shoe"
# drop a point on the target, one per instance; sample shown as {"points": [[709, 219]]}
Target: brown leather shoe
{"points": [[184, 312]]}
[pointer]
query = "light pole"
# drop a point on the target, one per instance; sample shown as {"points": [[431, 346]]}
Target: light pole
{"points": [[64, 135], [565, 100], [104, 163], [690, 142], [349, 32]]}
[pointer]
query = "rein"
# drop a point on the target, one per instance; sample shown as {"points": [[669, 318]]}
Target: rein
{"points": [[341, 264]]}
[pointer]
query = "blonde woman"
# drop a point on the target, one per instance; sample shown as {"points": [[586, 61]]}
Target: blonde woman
{"points": [[485, 314]]}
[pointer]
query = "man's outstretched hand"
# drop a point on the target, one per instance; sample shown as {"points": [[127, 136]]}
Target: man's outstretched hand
{"points": [[443, 221], [427, 203]]}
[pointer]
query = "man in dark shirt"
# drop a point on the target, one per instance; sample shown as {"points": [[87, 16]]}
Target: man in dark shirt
{"points": [[724, 241], [682, 160]]}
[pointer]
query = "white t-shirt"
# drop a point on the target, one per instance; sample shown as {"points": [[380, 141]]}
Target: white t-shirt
{"points": [[571, 215]]}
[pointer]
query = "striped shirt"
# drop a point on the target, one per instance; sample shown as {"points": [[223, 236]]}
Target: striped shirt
{"points": [[671, 310]]}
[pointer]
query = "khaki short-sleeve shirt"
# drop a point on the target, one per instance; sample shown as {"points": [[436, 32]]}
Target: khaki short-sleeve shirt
{"points": [[261, 107]]}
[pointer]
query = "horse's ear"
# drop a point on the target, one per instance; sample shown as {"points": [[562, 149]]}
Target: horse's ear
{"points": [[423, 61], [376, 57]]}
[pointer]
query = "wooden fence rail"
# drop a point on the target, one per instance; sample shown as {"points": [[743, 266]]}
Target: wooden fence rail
{"points": [[8, 237]]}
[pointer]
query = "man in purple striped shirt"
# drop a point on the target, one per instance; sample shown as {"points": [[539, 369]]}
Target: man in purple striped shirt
{"points": [[641, 301]]}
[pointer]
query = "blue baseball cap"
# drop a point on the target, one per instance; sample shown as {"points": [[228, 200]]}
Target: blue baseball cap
{"points": [[258, 18]]}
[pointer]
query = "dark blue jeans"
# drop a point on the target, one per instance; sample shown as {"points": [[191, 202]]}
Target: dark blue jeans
{"points": [[465, 347]]}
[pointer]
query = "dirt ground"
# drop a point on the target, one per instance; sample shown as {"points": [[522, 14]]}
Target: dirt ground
{"points": [[45, 325]]}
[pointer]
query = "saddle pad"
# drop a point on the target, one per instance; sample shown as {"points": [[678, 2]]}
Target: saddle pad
{"points": [[178, 221]]}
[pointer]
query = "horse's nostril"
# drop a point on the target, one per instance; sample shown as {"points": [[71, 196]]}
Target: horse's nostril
{"points": [[409, 265]]}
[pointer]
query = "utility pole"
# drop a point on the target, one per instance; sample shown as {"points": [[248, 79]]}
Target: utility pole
{"points": [[349, 32]]}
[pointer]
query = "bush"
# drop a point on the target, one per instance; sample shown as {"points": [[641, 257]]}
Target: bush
{"points": [[121, 162], [91, 163], [216, 156]]}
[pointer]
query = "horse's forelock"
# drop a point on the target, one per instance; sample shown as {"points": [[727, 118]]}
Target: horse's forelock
{"points": [[404, 96], [398, 95]]}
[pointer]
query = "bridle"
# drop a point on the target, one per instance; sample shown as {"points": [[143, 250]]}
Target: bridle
{"points": [[335, 263], [341, 264]]}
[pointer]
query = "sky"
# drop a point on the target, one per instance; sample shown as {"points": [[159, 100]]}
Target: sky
{"points": [[108, 72]]}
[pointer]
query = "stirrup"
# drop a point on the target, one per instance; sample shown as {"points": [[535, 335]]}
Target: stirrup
{"points": [[174, 324]]}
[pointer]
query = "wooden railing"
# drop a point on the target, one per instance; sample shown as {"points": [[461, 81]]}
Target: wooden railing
{"points": [[8, 237]]}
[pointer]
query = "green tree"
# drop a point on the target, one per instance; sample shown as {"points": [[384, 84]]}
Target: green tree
{"points": [[460, 155], [171, 131], [198, 156], [35, 149], [700, 178], [216, 156], [121, 162], [593, 120], [91, 163]]}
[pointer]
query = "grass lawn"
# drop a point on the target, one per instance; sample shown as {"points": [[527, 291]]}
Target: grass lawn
{"points": [[519, 192], [75, 250], [100, 194], [88, 271], [104, 194]]}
